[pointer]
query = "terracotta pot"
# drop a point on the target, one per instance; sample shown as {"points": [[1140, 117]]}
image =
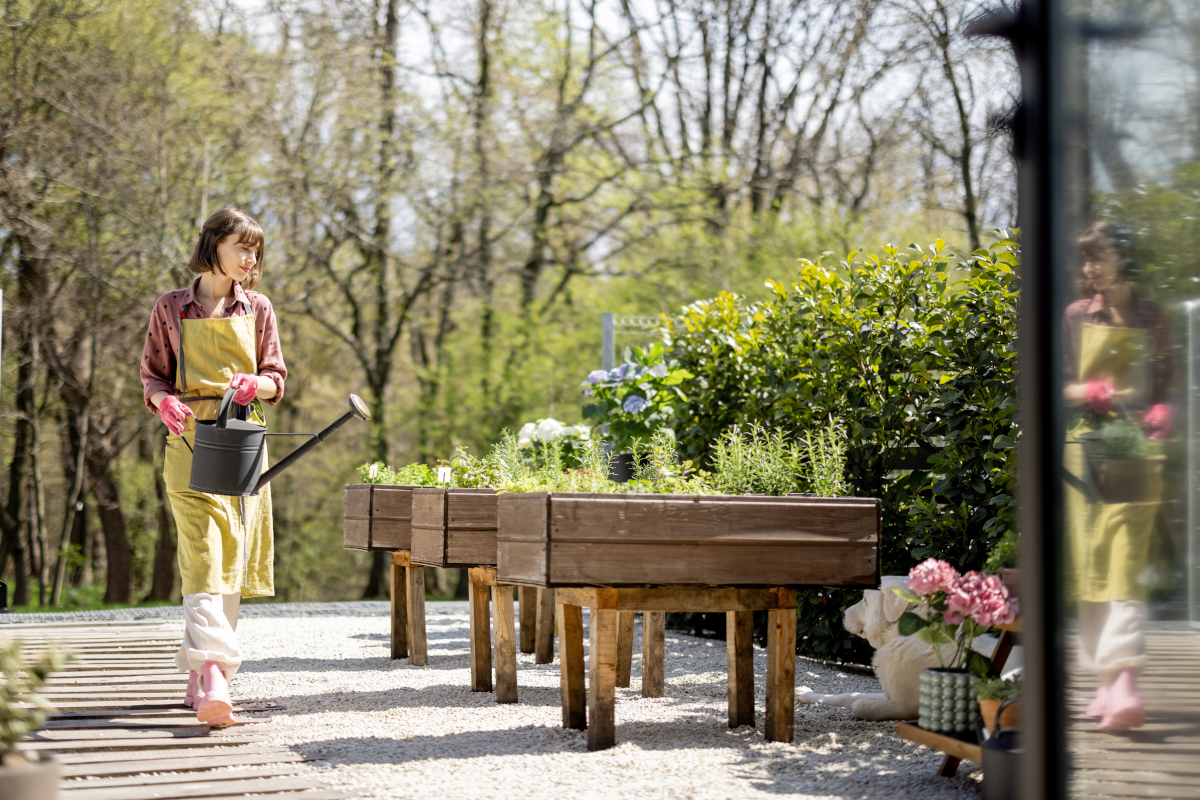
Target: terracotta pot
{"points": [[30, 780], [1011, 718]]}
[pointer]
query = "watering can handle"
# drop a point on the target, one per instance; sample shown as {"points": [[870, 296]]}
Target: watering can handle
{"points": [[223, 411], [1000, 711]]}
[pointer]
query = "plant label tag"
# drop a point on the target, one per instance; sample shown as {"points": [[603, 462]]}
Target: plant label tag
{"points": [[443, 474], [374, 471]]}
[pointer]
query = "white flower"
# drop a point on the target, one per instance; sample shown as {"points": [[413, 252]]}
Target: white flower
{"points": [[525, 442], [583, 432], [526, 431], [568, 432], [548, 429]]}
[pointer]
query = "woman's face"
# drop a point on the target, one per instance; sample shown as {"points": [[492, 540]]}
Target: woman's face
{"points": [[237, 258], [1102, 270]]}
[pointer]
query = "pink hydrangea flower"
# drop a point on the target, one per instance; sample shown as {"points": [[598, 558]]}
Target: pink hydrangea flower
{"points": [[932, 575], [983, 598]]}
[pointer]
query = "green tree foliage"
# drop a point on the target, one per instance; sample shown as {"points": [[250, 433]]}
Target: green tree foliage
{"points": [[914, 353]]}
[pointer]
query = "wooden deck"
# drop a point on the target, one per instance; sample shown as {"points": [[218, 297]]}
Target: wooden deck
{"points": [[123, 733], [1162, 759]]}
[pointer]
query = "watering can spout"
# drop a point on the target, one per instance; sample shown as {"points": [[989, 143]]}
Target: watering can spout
{"points": [[357, 409]]}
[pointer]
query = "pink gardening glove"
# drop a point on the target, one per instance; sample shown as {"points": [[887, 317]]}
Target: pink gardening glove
{"points": [[172, 412], [247, 388], [1099, 395], [1158, 421]]}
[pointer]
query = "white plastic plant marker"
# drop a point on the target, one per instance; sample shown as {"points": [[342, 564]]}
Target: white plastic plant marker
{"points": [[374, 471], [443, 474]]}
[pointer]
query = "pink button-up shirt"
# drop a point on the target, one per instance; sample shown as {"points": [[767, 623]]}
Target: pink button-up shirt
{"points": [[161, 353]]}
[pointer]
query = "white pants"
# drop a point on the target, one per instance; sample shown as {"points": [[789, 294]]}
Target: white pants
{"points": [[209, 622], [1112, 637]]}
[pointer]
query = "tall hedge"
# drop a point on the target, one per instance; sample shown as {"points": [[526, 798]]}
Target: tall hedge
{"points": [[914, 352]]}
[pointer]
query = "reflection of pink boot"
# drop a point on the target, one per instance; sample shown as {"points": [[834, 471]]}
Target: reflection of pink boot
{"points": [[215, 704], [1099, 704], [1125, 709], [193, 690]]}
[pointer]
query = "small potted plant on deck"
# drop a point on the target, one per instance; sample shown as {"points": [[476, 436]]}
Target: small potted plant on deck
{"points": [[994, 692], [954, 610], [23, 711]]}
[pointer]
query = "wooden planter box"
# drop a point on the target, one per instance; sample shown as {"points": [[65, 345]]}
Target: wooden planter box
{"points": [[377, 517], [454, 527], [567, 539]]}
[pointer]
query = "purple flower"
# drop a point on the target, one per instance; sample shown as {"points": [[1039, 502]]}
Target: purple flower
{"points": [[587, 392], [634, 404], [597, 375], [618, 373]]}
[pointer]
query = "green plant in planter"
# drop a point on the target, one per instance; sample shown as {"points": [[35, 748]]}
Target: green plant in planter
{"points": [[752, 460], [1004, 553], [411, 475], [997, 689], [22, 709], [637, 398]]}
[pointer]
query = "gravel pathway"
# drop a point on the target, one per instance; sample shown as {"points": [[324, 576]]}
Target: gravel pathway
{"points": [[391, 730]]}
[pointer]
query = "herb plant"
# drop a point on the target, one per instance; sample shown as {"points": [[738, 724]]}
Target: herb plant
{"points": [[411, 475], [753, 460], [997, 689], [22, 709]]}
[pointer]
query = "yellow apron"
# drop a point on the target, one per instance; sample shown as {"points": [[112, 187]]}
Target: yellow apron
{"points": [[216, 554], [1109, 543]]}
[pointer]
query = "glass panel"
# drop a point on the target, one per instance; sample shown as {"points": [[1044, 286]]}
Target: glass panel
{"points": [[1131, 395]]}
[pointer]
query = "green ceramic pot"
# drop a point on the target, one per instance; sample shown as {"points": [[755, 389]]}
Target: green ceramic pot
{"points": [[948, 702]]}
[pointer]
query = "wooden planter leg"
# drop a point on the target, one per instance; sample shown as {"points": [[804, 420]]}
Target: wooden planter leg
{"points": [[654, 625], [570, 665], [949, 767], [602, 679], [781, 674], [625, 648], [739, 645], [399, 608], [417, 648], [506, 645], [544, 650], [527, 603], [481, 639]]}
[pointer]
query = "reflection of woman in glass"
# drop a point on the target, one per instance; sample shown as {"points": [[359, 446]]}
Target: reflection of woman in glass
{"points": [[1118, 374]]}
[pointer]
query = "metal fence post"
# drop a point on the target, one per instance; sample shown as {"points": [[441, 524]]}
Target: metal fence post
{"points": [[608, 340]]}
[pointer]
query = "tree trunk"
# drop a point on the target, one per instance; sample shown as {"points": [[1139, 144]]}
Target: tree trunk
{"points": [[163, 581], [119, 585]]}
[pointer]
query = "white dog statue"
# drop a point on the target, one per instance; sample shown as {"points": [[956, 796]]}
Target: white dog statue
{"points": [[898, 659]]}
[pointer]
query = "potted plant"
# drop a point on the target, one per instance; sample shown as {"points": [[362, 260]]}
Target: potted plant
{"points": [[377, 513], [22, 711], [991, 694], [953, 610]]}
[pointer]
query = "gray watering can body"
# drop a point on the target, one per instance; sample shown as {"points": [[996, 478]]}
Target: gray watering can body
{"points": [[228, 455]]}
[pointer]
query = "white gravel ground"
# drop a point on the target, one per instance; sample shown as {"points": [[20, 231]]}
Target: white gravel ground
{"points": [[391, 730]]}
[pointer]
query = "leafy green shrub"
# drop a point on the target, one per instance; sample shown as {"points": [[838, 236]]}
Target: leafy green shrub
{"points": [[411, 475], [637, 398], [914, 353], [22, 709], [1004, 553], [997, 689]]}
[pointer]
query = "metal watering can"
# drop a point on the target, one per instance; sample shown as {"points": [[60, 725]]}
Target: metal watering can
{"points": [[228, 455]]}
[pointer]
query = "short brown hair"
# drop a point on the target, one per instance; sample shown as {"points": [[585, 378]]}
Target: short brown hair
{"points": [[218, 227]]}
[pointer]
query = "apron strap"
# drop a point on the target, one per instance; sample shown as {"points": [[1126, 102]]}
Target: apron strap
{"points": [[182, 370]]}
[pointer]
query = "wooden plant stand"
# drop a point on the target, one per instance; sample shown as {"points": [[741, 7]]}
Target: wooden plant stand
{"points": [[958, 750], [611, 627], [408, 609], [538, 632]]}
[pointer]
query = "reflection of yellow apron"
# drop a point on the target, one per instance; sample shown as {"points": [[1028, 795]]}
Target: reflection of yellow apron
{"points": [[1110, 542], [211, 555]]}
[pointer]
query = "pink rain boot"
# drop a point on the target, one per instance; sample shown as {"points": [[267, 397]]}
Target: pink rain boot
{"points": [[1125, 709], [193, 689], [1099, 704], [215, 706]]}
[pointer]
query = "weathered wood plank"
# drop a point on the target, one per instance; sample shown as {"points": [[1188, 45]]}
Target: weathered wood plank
{"points": [[429, 525], [654, 624], [528, 608], [544, 648], [399, 637], [602, 679], [112, 762], [356, 516], [391, 518], [481, 638], [739, 645], [94, 781], [521, 524], [781, 675], [506, 645], [678, 598], [418, 646], [625, 622], [195, 789], [570, 664]]}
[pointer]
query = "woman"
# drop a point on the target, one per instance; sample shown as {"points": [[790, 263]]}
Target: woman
{"points": [[1118, 374], [214, 335]]}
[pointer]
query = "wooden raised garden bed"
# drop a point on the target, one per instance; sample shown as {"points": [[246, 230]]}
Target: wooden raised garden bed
{"points": [[377, 517], [566, 539], [454, 527]]}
